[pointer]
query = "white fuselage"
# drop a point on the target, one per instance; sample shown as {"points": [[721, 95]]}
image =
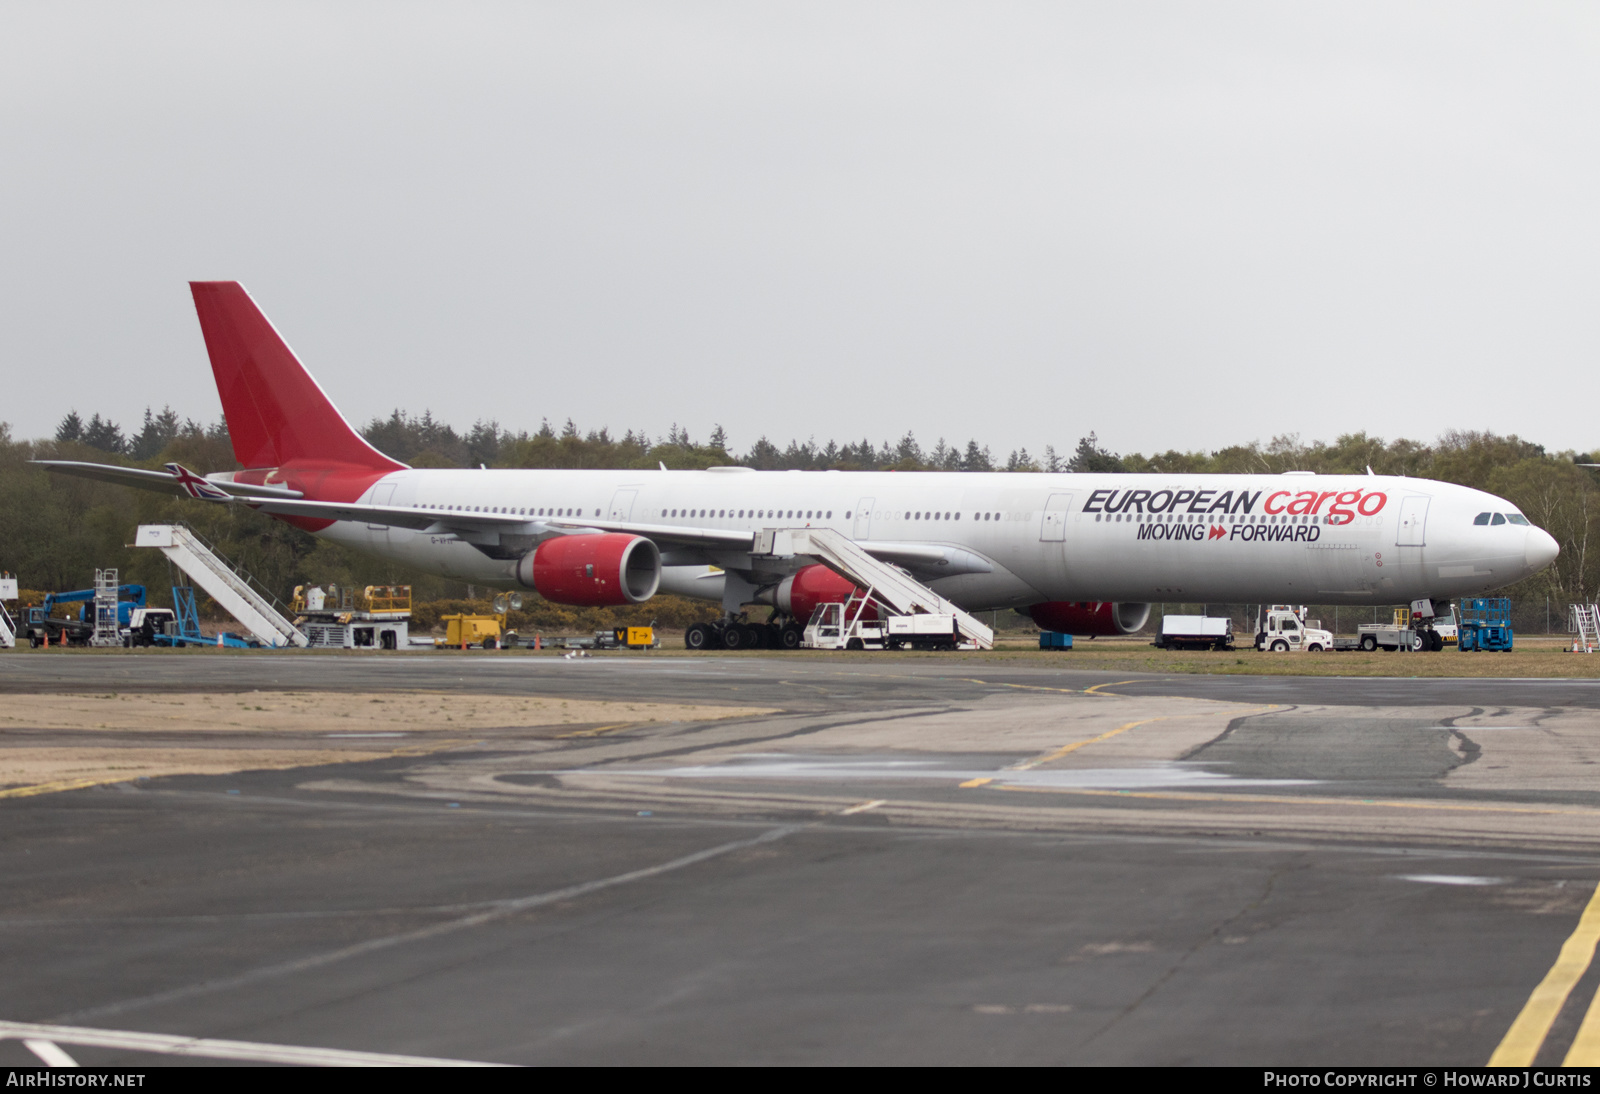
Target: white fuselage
{"points": [[1017, 539]]}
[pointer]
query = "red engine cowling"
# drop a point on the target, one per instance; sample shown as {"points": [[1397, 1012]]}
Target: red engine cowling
{"points": [[1090, 617], [595, 571], [800, 592]]}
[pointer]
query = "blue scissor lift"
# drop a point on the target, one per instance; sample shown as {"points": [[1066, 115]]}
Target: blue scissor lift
{"points": [[1485, 624]]}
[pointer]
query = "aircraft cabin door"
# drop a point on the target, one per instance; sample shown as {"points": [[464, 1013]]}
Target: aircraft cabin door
{"points": [[864, 518], [1053, 526], [622, 505], [1413, 523], [378, 534]]}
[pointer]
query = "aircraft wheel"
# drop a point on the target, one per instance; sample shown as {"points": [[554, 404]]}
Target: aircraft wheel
{"points": [[1261, 641], [736, 636], [1368, 643], [1280, 646], [700, 636], [1419, 642], [1436, 641], [791, 636]]}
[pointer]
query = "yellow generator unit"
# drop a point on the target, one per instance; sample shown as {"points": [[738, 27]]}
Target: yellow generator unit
{"points": [[472, 630]]}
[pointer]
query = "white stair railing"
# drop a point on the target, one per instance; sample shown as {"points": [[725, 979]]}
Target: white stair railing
{"points": [[8, 629], [221, 583], [901, 592], [1584, 621]]}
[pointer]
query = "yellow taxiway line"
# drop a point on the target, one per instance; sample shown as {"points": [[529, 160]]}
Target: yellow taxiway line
{"points": [[1523, 1040]]}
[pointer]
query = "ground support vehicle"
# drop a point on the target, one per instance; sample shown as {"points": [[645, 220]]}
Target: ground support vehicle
{"points": [[1401, 634], [1283, 628], [41, 627], [1486, 625], [1439, 618], [1194, 632], [153, 627], [924, 631], [1373, 636], [379, 617], [1054, 640], [461, 631], [8, 625], [845, 627]]}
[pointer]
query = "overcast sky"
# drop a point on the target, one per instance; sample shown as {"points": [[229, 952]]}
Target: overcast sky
{"points": [[1179, 224]]}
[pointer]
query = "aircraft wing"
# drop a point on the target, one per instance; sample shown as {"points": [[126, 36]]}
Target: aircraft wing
{"points": [[394, 516], [929, 558], [672, 534]]}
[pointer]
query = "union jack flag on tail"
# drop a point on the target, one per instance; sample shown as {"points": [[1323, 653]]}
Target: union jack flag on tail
{"points": [[195, 486]]}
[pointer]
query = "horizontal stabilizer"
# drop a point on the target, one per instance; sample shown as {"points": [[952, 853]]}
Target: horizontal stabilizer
{"points": [[165, 482]]}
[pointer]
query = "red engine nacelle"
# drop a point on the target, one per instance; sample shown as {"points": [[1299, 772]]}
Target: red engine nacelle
{"points": [[800, 592], [1090, 617], [595, 571]]}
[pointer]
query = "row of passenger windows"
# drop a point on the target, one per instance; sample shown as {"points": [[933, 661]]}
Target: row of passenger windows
{"points": [[1499, 518], [743, 514], [710, 514], [812, 514], [1200, 518], [510, 510]]}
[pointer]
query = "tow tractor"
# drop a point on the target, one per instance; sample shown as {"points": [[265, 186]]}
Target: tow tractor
{"points": [[1440, 619], [1282, 628]]}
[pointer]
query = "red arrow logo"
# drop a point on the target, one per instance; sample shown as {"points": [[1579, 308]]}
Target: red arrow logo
{"points": [[1217, 532]]}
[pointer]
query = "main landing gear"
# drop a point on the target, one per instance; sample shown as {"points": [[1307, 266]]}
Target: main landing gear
{"points": [[735, 634]]}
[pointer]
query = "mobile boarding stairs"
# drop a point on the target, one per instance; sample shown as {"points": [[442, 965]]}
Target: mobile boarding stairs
{"points": [[228, 587], [891, 586]]}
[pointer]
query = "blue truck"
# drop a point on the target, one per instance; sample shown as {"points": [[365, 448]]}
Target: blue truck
{"points": [[42, 627]]}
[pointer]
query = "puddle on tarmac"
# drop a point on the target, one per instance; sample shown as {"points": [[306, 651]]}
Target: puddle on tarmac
{"points": [[1148, 776]]}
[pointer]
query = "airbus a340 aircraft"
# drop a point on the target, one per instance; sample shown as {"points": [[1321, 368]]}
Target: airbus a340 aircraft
{"points": [[1085, 554]]}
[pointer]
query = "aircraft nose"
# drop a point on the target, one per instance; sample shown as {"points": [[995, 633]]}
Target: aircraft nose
{"points": [[1541, 550]]}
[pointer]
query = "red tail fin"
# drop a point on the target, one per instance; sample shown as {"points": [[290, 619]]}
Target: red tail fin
{"points": [[276, 412]]}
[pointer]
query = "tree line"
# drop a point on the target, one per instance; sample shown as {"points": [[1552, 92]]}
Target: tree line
{"points": [[55, 531]]}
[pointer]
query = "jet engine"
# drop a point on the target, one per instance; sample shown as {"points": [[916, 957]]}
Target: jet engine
{"points": [[1090, 617], [594, 571], [804, 589]]}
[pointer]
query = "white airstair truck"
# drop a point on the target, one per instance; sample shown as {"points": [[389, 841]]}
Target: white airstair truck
{"points": [[229, 589], [897, 592], [8, 626]]}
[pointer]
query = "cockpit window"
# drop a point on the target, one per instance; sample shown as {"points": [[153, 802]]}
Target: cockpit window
{"points": [[1481, 518], [1516, 518], [1498, 519]]}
